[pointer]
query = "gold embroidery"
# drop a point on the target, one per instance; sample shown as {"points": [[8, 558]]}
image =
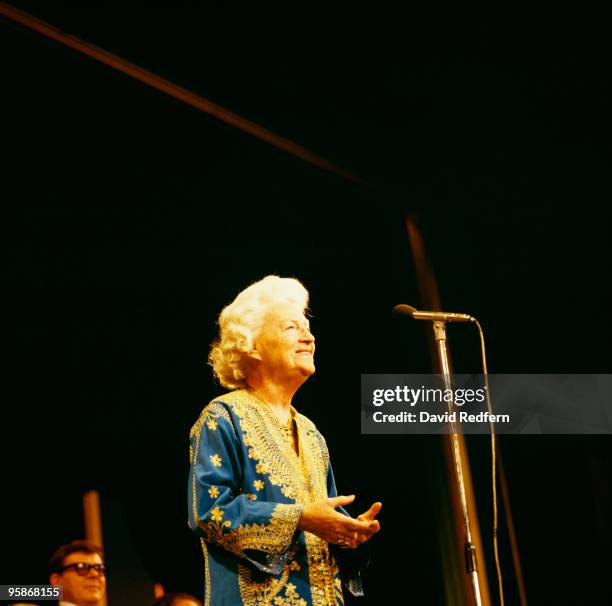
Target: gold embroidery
{"points": [[314, 465], [194, 490], [213, 530], [289, 434], [322, 570], [338, 586], [291, 598], [324, 452], [258, 485], [272, 455], [251, 497], [206, 573], [216, 460], [216, 515], [213, 491], [268, 592], [271, 538], [212, 411]]}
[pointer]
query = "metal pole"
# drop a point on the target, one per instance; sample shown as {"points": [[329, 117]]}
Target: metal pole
{"points": [[439, 329]]}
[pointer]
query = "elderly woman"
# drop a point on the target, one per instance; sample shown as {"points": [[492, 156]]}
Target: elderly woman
{"points": [[262, 495]]}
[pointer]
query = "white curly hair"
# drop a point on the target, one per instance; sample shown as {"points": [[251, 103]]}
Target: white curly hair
{"points": [[240, 322]]}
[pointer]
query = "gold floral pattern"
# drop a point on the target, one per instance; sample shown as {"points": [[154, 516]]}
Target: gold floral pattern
{"points": [[272, 455], [322, 571], [213, 492], [291, 598], [216, 460], [273, 538], [214, 528], [211, 412], [258, 485], [268, 593], [216, 515]]}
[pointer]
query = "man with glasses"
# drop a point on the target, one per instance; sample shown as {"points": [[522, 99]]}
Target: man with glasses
{"points": [[79, 568]]}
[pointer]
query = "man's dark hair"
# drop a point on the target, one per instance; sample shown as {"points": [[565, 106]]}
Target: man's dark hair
{"points": [[81, 545], [168, 599]]}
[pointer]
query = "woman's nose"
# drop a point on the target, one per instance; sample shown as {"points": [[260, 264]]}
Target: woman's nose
{"points": [[307, 335]]}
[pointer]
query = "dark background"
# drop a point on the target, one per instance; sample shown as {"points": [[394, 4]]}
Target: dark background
{"points": [[130, 220]]}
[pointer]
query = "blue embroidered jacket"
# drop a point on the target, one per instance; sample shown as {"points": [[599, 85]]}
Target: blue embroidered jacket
{"points": [[247, 488]]}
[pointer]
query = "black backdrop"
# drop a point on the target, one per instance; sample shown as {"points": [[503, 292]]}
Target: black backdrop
{"points": [[130, 220]]}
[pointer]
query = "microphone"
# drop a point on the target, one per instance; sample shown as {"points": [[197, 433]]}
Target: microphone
{"points": [[436, 316]]}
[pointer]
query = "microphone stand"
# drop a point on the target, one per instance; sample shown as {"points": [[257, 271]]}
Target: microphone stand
{"points": [[439, 328]]}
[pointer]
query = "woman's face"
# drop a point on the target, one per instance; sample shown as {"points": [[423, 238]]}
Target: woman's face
{"points": [[285, 346]]}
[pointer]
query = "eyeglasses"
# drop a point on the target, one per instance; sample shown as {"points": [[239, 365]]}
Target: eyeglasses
{"points": [[83, 568]]}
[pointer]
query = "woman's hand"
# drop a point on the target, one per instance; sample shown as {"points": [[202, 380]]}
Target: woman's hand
{"points": [[369, 516], [322, 519]]}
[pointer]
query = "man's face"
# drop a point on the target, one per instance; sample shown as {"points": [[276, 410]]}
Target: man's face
{"points": [[84, 590], [285, 346]]}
